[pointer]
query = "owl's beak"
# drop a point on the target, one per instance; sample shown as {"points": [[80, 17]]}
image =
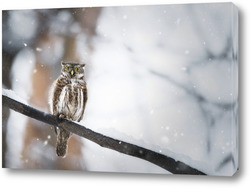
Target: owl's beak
{"points": [[72, 72]]}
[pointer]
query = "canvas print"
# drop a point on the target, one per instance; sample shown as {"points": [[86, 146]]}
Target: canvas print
{"points": [[149, 89]]}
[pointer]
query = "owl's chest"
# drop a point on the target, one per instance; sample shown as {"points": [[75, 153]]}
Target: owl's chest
{"points": [[70, 98]]}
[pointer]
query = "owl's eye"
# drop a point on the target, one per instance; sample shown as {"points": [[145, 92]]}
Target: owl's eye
{"points": [[67, 67], [77, 68]]}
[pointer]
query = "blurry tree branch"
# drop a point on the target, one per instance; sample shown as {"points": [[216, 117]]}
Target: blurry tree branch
{"points": [[168, 163]]}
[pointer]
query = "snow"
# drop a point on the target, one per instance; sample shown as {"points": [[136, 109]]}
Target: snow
{"points": [[20, 73], [25, 21], [127, 102], [11, 94], [201, 165], [15, 139], [215, 74], [39, 49]]}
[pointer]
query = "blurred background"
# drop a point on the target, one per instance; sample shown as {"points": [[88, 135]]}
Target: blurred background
{"points": [[163, 77]]}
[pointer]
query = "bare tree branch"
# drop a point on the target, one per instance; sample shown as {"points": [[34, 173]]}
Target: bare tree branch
{"points": [[168, 163]]}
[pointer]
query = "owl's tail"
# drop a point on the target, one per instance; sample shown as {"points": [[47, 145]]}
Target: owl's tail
{"points": [[62, 142]]}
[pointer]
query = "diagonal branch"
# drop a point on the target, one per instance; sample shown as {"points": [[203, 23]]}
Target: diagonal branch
{"points": [[168, 163]]}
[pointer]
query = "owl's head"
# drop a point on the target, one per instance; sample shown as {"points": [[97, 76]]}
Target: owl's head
{"points": [[72, 70]]}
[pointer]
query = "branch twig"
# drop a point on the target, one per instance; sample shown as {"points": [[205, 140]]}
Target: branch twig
{"points": [[168, 163]]}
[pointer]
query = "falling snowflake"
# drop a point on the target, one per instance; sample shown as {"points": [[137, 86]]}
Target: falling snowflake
{"points": [[39, 49]]}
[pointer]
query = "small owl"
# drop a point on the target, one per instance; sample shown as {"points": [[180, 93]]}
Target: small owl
{"points": [[68, 97]]}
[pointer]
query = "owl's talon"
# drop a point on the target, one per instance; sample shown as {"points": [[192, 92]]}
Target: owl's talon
{"points": [[61, 116], [69, 118]]}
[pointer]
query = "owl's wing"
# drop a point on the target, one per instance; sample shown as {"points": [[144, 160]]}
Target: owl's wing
{"points": [[85, 98], [56, 90], [85, 95]]}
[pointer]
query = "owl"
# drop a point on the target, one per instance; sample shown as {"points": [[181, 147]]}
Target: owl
{"points": [[68, 97]]}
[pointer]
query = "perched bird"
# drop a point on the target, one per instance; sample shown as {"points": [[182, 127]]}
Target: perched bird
{"points": [[67, 99]]}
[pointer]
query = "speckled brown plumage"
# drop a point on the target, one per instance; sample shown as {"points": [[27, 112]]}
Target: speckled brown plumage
{"points": [[68, 99]]}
